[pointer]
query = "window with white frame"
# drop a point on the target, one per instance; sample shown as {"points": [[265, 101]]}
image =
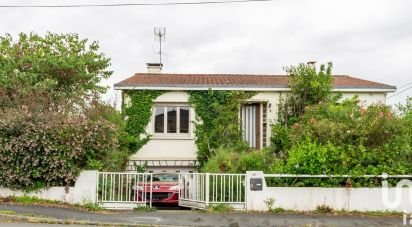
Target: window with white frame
{"points": [[171, 119]]}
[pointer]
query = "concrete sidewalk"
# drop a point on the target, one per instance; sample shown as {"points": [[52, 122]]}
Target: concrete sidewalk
{"points": [[198, 218]]}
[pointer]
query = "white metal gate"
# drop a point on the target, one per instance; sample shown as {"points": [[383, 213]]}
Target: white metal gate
{"points": [[126, 190], [120, 190], [200, 190]]}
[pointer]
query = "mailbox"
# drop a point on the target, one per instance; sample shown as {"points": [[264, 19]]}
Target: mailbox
{"points": [[256, 184]]}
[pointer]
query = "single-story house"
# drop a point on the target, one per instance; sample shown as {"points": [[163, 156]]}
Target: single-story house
{"points": [[172, 144]]}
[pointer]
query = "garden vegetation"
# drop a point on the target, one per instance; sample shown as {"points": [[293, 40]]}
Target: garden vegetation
{"points": [[52, 122], [217, 123], [319, 133]]}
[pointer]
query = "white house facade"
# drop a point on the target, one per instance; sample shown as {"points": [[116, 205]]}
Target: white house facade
{"points": [[172, 145]]}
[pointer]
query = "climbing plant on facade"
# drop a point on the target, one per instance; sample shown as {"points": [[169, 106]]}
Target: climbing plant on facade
{"points": [[217, 123], [137, 110]]}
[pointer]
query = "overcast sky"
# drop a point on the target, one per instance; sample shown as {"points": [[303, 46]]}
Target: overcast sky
{"points": [[367, 39]]}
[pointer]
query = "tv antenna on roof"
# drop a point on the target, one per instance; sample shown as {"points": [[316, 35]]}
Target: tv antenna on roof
{"points": [[160, 35]]}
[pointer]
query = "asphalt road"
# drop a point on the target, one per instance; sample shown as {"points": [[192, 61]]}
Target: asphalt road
{"points": [[198, 218], [36, 225]]}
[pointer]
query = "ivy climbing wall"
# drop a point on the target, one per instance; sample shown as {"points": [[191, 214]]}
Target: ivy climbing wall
{"points": [[216, 121], [137, 110]]}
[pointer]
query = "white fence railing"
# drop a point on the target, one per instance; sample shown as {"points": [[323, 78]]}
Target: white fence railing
{"points": [[304, 192], [335, 176], [368, 180], [200, 190], [123, 189]]}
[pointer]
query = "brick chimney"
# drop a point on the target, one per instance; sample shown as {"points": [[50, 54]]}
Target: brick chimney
{"points": [[154, 67]]}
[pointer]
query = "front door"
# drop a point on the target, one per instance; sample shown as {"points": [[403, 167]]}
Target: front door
{"points": [[251, 125]]}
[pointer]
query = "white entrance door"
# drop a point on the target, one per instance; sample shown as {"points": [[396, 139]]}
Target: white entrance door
{"points": [[250, 116]]}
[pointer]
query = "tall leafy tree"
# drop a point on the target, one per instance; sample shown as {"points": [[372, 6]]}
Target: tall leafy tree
{"points": [[309, 86], [52, 123], [50, 69]]}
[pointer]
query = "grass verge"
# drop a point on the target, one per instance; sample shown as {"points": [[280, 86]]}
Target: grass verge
{"points": [[371, 213], [33, 200], [220, 208], [7, 212], [46, 220], [326, 211], [143, 208]]}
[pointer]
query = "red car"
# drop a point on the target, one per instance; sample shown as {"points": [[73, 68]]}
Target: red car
{"points": [[165, 189]]}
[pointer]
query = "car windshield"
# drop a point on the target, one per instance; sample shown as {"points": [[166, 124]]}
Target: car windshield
{"points": [[166, 177]]}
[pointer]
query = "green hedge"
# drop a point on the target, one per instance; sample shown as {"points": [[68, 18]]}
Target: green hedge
{"points": [[49, 149]]}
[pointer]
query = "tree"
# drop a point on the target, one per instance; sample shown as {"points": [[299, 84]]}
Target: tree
{"points": [[308, 87], [51, 69], [52, 121]]}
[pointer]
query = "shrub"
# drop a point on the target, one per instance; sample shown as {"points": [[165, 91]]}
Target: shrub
{"points": [[223, 161], [49, 148], [348, 124], [92, 206], [269, 202], [231, 160], [347, 138], [279, 140], [323, 209], [127, 144], [309, 157], [405, 112], [278, 210]]}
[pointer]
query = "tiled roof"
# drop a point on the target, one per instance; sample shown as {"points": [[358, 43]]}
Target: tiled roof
{"points": [[154, 80]]}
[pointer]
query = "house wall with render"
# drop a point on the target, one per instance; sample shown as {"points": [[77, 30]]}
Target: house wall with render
{"points": [[173, 152], [183, 148], [366, 98], [169, 146]]}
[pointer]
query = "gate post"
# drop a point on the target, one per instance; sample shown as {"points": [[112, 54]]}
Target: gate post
{"points": [[151, 189], [207, 190], [255, 189]]}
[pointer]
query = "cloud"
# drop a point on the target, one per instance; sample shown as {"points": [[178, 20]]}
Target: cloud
{"points": [[371, 39]]}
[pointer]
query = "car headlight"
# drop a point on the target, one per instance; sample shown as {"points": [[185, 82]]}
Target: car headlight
{"points": [[137, 187], [175, 187]]}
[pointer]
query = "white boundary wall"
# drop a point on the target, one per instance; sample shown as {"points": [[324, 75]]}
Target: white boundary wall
{"points": [[84, 190], [307, 198]]}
